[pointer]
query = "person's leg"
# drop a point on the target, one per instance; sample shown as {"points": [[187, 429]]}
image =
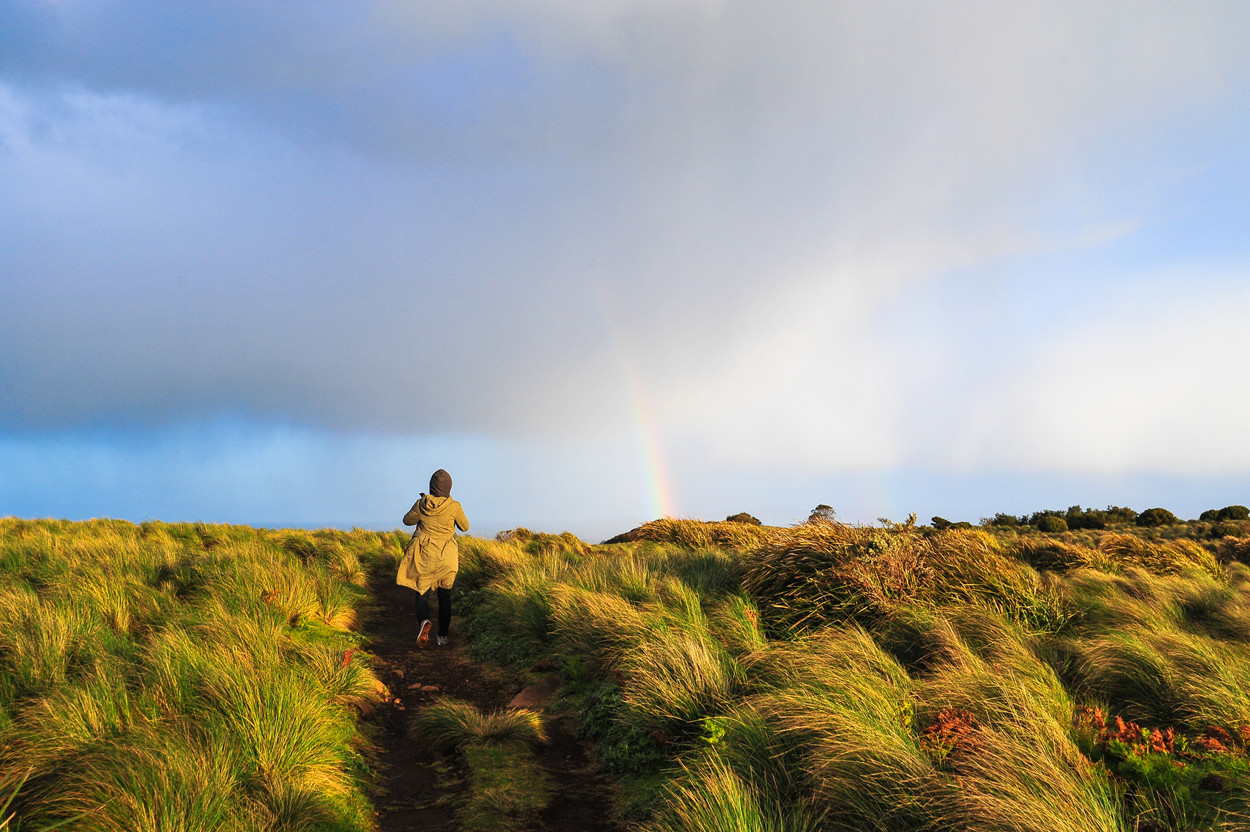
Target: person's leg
{"points": [[444, 611], [423, 605]]}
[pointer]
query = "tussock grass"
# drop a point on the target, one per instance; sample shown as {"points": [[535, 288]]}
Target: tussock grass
{"points": [[710, 795], [170, 677], [842, 706], [736, 625], [452, 724], [1160, 557], [1043, 552], [1020, 768], [597, 626], [820, 572], [972, 568], [155, 780], [676, 676], [900, 678], [541, 543], [700, 534], [1169, 677]]}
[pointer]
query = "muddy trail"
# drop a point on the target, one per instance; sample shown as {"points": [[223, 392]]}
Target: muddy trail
{"points": [[420, 788]]}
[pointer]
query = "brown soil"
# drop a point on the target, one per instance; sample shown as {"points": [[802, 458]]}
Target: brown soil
{"points": [[419, 788]]}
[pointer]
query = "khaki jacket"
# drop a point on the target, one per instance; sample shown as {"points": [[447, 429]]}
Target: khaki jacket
{"points": [[432, 557]]}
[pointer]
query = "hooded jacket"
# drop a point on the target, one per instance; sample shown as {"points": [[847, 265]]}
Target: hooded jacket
{"points": [[432, 557]]}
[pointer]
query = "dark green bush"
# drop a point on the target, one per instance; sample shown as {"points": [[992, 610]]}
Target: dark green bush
{"points": [[1051, 524], [743, 517], [1087, 518], [1233, 513], [1120, 514], [1209, 516], [1157, 517], [1225, 530]]}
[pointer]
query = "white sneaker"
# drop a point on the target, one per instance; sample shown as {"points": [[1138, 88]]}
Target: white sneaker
{"points": [[442, 641], [423, 637]]}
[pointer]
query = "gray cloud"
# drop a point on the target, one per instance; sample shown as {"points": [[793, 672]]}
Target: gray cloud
{"points": [[480, 216]]}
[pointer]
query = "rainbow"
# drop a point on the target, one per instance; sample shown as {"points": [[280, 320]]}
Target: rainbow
{"points": [[659, 487], [655, 472]]}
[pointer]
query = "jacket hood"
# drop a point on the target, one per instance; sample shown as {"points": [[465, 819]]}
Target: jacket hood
{"points": [[432, 505]]}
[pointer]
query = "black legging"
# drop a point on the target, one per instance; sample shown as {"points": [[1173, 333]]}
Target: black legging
{"points": [[444, 608]]}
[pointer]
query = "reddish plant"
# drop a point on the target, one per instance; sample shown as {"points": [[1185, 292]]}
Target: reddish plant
{"points": [[953, 730], [1139, 740], [1214, 740], [1094, 717]]}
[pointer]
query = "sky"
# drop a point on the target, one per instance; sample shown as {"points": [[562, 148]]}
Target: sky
{"points": [[274, 263]]}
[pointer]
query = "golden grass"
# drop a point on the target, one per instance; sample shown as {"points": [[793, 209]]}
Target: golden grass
{"points": [[700, 534], [171, 677], [451, 724]]}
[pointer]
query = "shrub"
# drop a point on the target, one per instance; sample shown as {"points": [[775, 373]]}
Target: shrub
{"points": [[1219, 530], [1051, 524], [1157, 517], [1120, 514], [1233, 513], [743, 517], [941, 524], [1079, 518]]}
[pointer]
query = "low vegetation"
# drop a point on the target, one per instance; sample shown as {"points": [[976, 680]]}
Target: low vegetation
{"points": [[506, 786], [898, 677], [182, 677], [729, 675]]}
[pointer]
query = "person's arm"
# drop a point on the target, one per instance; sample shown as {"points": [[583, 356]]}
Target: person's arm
{"points": [[462, 522], [411, 518]]}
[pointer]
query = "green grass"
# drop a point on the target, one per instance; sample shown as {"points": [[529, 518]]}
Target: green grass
{"points": [[894, 678], [450, 725], [182, 677], [507, 787], [728, 676]]}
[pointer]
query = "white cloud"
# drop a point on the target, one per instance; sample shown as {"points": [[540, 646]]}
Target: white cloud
{"points": [[1157, 385]]}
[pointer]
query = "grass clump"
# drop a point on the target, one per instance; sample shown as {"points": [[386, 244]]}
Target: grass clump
{"points": [[701, 534], [507, 789], [710, 795], [451, 724], [826, 571], [506, 785]]}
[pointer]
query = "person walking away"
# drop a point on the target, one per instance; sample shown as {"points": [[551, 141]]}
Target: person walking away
{"points": [[431, 558]]}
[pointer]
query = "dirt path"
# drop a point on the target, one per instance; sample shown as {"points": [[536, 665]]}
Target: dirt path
{"points": [[420, 788]]}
